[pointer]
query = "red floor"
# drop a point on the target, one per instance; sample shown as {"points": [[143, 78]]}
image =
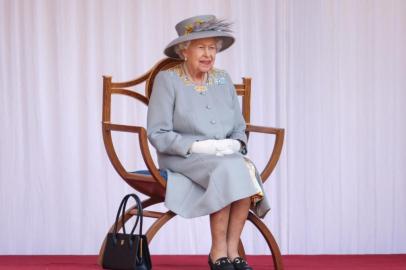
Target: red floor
{"points": [[291, 262]]}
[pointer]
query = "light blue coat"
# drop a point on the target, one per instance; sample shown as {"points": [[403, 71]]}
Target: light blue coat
{"points": [[178, 115]]}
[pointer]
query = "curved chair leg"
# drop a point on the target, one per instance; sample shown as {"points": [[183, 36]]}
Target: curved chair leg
{"points": [[149, 202], [146, 203], [266, 233], [241, 250], [154, 228]]}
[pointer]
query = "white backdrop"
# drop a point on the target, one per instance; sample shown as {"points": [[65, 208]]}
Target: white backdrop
{"points": [[332, 73]]}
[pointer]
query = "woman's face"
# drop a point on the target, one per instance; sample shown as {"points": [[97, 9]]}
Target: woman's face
{"points": [[201, 55]]}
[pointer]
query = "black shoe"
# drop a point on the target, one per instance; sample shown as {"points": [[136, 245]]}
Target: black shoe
{"points": [[240, 264], [223, 263]]}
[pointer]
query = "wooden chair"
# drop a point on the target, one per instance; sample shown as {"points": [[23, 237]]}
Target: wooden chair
{"points": [[153, 183]]}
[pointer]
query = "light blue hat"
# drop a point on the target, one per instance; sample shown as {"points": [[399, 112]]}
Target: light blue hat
{"points": [[203, 26]]}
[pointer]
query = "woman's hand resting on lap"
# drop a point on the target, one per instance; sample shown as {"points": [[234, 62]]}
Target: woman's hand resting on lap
{"points": [[216, 147]]}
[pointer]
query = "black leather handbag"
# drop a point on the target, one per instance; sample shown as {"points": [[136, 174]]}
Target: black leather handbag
{"points": [[127, 251]]}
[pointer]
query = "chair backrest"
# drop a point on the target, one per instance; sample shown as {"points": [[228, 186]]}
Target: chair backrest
{"points": [[141, 182]]}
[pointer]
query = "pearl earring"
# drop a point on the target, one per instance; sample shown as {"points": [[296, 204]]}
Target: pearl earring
{"points": [[185, 58]]}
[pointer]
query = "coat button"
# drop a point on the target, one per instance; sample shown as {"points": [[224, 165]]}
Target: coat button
{"points": [[212, 122], [208, 107]]}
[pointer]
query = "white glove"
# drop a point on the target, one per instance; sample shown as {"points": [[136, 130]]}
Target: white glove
{"points": [[216, 147], [227, 147], [204, 147]]}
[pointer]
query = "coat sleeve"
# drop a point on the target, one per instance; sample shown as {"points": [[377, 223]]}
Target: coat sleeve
{"points": [[160, 119], [238, 132]]}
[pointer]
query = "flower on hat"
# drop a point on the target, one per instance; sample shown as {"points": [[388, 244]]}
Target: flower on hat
{"points": [[210, 25]]}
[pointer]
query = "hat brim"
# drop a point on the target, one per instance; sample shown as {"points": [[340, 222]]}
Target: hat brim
{"points": [[227, 38]]}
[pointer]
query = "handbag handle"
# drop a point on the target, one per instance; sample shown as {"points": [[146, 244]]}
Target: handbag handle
{"points": [[139, 214], [122, 208], [118, 214]]}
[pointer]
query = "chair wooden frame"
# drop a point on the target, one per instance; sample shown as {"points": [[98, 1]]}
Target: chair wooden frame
{"points": [[154, 185]]}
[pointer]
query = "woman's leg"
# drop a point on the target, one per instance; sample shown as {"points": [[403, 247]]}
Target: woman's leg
{"points": [[238, 215], [218, 226]]}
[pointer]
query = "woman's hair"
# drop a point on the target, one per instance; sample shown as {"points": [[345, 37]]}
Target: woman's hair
{"points": [[184, 45]]}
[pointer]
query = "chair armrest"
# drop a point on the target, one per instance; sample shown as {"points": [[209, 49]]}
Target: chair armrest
{"points": [[143, 142], [277, 147], [146, 155]]}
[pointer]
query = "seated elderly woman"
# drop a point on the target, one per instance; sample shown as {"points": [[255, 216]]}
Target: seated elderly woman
{"points": [[196, 125]]}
